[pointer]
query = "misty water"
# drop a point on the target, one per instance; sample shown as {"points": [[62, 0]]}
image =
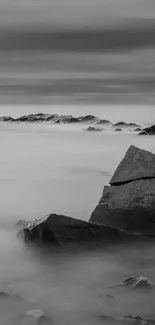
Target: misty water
{"points": [[47, 168]]}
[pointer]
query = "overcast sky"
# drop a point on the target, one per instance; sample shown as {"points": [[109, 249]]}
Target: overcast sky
{"points": [[73, 13]]}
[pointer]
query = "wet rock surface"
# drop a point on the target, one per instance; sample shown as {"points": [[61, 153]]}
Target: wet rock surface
{"points": [[129, 203]]}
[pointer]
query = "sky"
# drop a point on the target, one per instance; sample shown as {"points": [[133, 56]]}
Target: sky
{"points": [[73, 13], [102, 48]]}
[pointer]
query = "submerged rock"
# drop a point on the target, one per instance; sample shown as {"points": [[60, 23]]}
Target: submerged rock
{"points": [[129, 203], [58, 229], [148, 131]]}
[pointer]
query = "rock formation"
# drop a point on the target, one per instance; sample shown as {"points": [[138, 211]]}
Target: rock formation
{"points": [[58, 229], [129, 203], [148, 131], [94, 129]]}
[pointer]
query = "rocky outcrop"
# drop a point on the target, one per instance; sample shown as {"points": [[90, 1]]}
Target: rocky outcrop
{"points": [[125, 125], [58, 229], [129, 203], [148, 131], [68, 119], [94, 129]]}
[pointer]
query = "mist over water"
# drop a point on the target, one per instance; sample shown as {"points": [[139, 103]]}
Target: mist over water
{"points": [[61, 168]]}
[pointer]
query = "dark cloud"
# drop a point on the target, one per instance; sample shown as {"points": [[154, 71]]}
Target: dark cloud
{"points": [[137, 35]]}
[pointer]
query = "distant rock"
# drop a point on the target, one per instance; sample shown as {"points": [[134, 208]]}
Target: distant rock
{"points": [[137, 129], [148, 131], [124, 125], [118, 130], [129, 203], [6, 119], [94, 129], [103, 122], [88, 119], [58, 229]]}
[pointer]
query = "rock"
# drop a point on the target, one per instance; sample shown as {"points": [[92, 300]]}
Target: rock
{"points": [[118, 130], [6, 119], [6, 295], [58, 229], [39, 316], [148, 131], [137, 130], [129, 203], [103, 122], [88, 119], [134, 282], [137, 164], [94, 129], [127, 320], [138, 282], [130, 207], [123, 124]]}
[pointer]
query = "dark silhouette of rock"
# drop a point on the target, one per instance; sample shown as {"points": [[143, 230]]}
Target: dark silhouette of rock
{"points": [[6, 119], [94, 129], [148, 131], [103, 122], [137, 164], [88, 119], [118, 130], [124, 124], [129, 203], [56, 229], [138, 130]]}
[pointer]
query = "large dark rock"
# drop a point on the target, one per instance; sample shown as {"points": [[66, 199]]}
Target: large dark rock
{"points": [[129, 203], [148, 131], [56, 229]]}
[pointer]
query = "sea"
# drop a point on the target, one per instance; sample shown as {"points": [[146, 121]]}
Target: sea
{"points": [[46, 168]]}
